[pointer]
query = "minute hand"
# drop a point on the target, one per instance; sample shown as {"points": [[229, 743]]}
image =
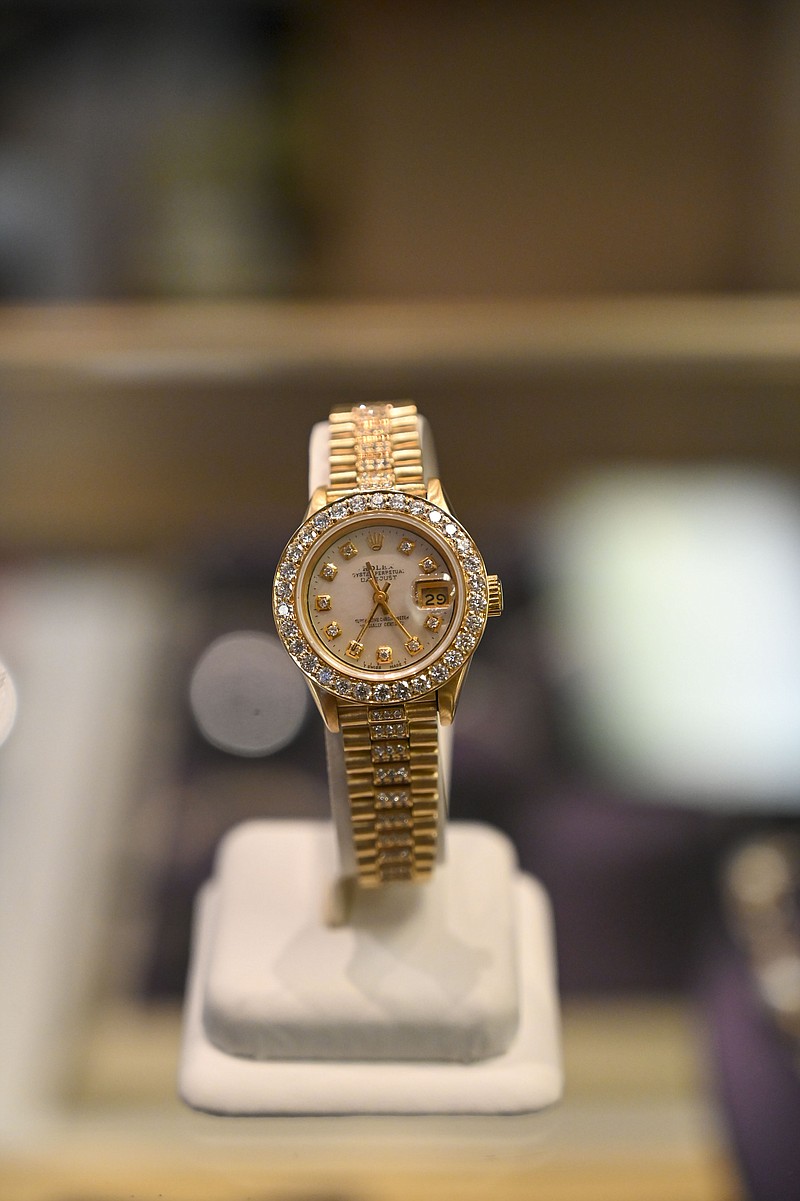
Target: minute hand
{"points": [[394, 617], [380, 599], [363, 629]]}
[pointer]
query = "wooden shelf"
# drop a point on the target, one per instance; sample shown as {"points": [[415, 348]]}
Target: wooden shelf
{"points": [[635, 1125], [754, 337], [144, 426]]}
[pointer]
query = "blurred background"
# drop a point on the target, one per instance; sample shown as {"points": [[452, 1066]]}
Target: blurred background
{"points": [[570, 233]]}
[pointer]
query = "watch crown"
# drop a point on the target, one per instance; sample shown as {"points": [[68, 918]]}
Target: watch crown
{"points": [[495, 595]]}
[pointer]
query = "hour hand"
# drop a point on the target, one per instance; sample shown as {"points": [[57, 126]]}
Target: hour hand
{"points": [[376, 588], [380, 593]]}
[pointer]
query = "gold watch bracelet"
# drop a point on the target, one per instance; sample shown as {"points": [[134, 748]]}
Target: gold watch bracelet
{"points": [[391, 752]]}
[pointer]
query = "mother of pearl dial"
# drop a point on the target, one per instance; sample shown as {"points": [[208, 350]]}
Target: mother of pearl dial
{"points": [[381, 595]]}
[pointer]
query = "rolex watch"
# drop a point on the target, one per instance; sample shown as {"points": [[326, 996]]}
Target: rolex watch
{"points": [[381, 597]]}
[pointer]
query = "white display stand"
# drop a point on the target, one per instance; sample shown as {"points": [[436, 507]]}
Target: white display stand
{"points": [[309, 995], [439, 999]]}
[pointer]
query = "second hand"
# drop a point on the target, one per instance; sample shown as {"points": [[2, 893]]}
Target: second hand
{"points": [[381, 595]]}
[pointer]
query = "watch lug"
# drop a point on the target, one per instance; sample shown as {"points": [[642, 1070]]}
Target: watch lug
{"points": [[327, 706], [317, 501], [435, 494], [448, 694]]}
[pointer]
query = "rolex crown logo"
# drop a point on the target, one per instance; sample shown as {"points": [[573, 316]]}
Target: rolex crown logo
{"points": [[375, 539]]}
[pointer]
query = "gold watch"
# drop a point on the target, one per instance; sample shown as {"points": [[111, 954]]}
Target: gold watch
{"points": [[381, 598]]}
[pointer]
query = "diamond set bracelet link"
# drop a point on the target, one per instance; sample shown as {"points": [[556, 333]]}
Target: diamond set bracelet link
{"points": [[390, 751], [375, 446], [394, 820]]}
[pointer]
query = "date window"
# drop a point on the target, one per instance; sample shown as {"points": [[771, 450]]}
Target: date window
{"points": [[434, 593]]}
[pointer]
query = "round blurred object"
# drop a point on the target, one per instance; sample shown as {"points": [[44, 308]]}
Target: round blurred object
{"points": [[673, 597], [246, 695], [8, 703]]}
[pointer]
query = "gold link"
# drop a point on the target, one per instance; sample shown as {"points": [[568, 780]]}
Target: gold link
{"points": [[395, 823]]}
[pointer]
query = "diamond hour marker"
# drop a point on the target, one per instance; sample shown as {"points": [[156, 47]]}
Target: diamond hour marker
{"points": [[329, 571]]}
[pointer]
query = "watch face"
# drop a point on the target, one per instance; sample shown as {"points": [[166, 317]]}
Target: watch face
{"points": [[380, 597]]}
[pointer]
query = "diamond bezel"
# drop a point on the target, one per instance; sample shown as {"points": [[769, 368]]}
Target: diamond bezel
{"points": [[409, 682]]}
